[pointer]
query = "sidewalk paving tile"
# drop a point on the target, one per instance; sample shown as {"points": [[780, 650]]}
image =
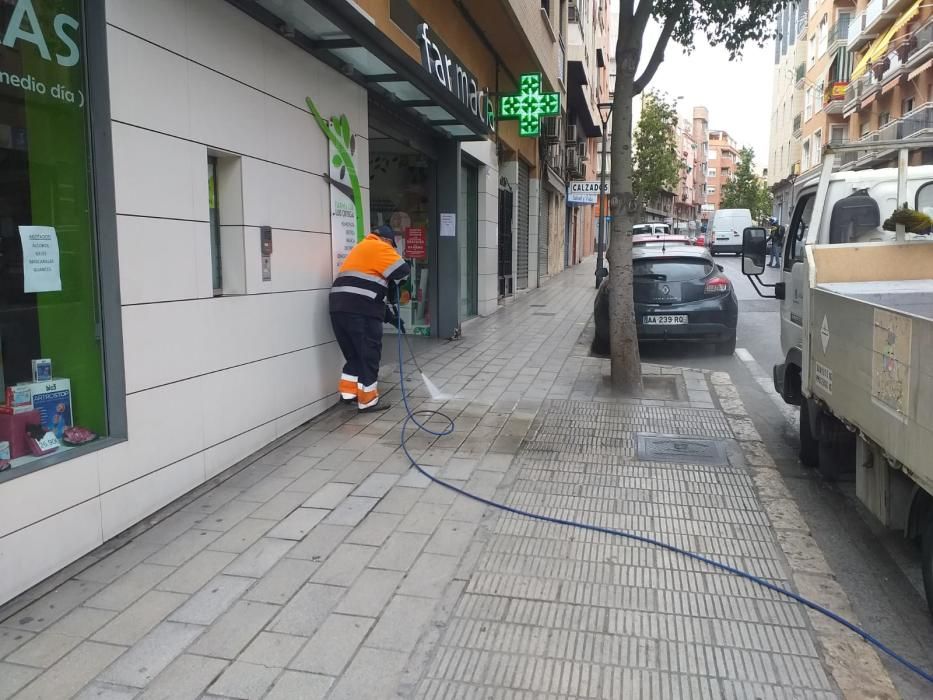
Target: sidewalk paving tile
{"points": [[146, 659], [335, 643], [292, 685], [245, 681], [184, 679], [140, 618]]}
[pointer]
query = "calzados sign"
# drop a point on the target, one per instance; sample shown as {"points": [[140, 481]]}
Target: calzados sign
{"points": [[450, 73]]}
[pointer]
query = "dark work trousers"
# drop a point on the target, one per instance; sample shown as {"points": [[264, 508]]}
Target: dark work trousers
{"points": [[360, 341]]}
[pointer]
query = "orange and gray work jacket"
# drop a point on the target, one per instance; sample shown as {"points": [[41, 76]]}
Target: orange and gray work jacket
{"points": [[364, 277]]}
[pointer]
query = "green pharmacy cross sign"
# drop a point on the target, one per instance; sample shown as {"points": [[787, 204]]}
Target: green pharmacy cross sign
{"points": [[530, 105]]}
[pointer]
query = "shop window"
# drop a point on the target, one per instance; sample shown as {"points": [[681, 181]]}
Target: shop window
{"points": [[925, 199], [52, 382]]}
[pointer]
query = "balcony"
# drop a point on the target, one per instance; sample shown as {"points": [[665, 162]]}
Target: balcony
{"points": [[920, 47], [839, 34], [798, 124], [835, 97], [859, 34], [918, 122], [801, 72], [876, 18], [853, 96]]}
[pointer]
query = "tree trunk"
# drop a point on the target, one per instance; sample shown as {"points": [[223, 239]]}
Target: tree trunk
{"points": [[623, 333]]}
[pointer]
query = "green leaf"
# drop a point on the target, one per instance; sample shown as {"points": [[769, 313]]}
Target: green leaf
{"points": [[337, 161]]}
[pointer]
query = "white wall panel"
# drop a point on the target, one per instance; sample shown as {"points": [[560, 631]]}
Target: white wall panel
{"points": [[135, 67], [159, 175], [283, 197], [165, 425], [131, 502], [226, 40], [300, 260], [34, 553], [226, 114], [160, 22], [163, 259], [46, 492]]}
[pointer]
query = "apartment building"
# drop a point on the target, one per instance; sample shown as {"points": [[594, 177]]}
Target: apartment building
{"points": [[827, 67], [787, 107], [721, 162], [588, 35], [686, 202], [701, 139], [203, 166], [891, 92]]}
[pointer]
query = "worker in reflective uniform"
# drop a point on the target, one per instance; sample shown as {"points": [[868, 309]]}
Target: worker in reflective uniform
{"points": [[358, 308]]}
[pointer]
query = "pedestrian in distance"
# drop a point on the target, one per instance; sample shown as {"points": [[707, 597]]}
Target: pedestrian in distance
{"points": [[362, 298], [777, 244]]}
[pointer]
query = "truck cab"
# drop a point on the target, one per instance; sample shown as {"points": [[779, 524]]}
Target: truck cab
{"points": [[857, 204]]}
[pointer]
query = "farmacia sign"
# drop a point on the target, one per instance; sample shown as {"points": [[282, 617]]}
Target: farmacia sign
{"points": [[24, 27], [450, 73]]}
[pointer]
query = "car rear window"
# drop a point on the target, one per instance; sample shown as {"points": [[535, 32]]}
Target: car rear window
{"points": [[641, 230], [674, 270]]}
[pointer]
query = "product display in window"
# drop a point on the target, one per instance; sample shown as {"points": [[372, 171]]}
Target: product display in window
{"points": [[51, 326]]}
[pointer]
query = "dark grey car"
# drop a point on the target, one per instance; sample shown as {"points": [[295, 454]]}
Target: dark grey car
{"points": [[680, 294]]}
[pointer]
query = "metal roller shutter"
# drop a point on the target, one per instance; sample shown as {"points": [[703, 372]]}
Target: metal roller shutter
{"points": [[521, 264], [544, 235]]}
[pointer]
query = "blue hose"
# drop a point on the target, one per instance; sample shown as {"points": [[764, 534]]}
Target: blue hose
{"points": [[412, 418]]}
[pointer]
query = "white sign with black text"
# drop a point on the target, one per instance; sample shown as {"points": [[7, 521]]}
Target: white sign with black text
{"points": [[586, 187]]}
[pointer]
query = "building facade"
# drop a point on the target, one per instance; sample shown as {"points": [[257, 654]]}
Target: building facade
{"points": [[701, 139], [786, 108], [722, 160], [890, 95], [181, 181], [686, 199]]}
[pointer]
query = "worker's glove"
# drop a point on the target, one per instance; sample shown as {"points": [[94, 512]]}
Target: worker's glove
{"points": [[393, 317]]}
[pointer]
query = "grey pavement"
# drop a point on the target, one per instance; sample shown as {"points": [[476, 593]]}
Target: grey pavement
{"points": [[327, 568]]}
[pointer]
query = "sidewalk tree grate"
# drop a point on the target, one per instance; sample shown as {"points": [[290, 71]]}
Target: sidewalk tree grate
{"points": [[679, 449]]}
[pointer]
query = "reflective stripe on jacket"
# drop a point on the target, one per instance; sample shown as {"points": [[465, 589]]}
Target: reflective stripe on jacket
{"points": [[363, 279]]}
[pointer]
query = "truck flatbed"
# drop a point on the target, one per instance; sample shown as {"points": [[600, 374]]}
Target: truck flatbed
{"points": [[911, 297]]}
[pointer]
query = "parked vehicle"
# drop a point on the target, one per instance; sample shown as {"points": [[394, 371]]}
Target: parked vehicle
{"points": [[856, 332], [680, 294], [659, 240], [653, 228], [725, 230]]}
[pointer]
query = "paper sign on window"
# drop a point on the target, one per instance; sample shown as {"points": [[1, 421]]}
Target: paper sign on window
{"points": [[41, 260]]}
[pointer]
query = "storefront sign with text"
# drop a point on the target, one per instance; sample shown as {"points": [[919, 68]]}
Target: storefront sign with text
{"points": [[416, 244], [447, 70]]}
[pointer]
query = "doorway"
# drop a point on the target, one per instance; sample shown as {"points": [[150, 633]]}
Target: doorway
{"points": [[468, 241], [401, 180]]}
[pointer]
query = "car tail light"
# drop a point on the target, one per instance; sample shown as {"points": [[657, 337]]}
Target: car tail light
{"points": [[701, 240], [717, 285]]}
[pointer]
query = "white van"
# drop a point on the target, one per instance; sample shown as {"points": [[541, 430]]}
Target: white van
{"points": [[725, 233], [652, 229]]}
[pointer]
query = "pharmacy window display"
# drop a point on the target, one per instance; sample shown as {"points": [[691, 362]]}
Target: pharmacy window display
{"points": [[51, 364]]}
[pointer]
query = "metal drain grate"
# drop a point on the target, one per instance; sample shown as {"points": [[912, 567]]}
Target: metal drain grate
{"points": [[543, 313], [679, 449]]}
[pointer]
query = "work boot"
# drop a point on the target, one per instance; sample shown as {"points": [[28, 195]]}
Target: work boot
{"points": [[378, 408], [348, 402]]}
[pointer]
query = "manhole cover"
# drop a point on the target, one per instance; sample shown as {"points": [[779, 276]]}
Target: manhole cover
{"points": [[684, 450]]}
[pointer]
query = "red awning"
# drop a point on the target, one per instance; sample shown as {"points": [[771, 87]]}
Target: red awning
{"points": [[915, 73]]}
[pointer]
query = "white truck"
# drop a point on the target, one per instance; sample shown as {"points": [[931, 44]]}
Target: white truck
{"points": [[857, 334]]}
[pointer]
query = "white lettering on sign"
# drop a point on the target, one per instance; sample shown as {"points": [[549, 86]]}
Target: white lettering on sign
{"points": [[824, 378], [24, 26], [587, 187], [40, 259], [451, 74]]}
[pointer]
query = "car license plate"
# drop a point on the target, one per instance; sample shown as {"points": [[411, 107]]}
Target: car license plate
{"points": [[666, 320]]}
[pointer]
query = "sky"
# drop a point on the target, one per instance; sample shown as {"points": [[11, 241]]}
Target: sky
{"points": [[737, 93]]}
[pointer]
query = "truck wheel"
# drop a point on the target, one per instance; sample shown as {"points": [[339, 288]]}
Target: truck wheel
{"points": [[809, 446], [837, 449], [926, 560]]}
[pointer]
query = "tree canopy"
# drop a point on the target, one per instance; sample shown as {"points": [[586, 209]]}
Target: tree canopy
{"points": [[746, 190], [657, 163]]}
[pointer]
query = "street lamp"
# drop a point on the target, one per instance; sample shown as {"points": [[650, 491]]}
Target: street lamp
{"points": [[605, 113]]}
